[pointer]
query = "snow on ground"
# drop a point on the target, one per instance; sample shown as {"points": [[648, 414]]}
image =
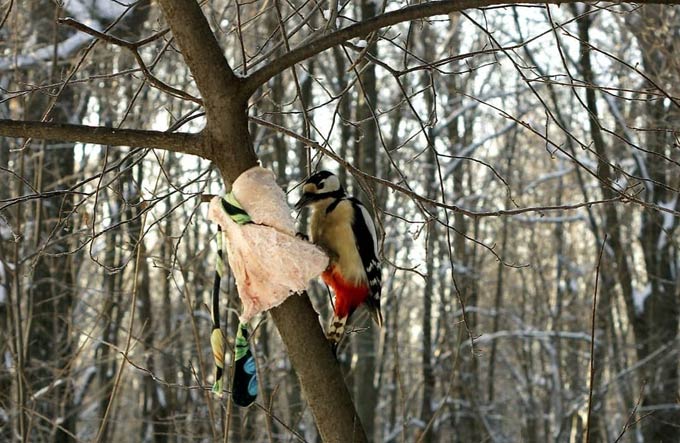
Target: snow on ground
{"points": [[639, 298]]}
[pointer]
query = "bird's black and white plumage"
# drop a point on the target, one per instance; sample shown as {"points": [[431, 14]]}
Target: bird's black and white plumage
{"points": [[344, 229]]}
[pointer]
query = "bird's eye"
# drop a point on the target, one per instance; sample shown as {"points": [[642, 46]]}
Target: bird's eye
{"points": [[320, 185]]}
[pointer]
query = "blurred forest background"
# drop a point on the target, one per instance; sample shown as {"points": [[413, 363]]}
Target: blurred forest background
{"points": [[522, 152]]}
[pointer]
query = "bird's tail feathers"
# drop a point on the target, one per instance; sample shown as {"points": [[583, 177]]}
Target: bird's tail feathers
{"points": [[373, 306]]}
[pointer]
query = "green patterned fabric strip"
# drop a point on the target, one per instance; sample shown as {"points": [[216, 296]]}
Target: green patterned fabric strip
{"points": [[216, 337], [234, 209], [244, 384]]}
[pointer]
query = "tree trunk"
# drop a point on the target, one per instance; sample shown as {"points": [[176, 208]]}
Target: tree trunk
{"points": [[6, 324], [661, 310], [657, 323], [365, 379], [51, 292]]}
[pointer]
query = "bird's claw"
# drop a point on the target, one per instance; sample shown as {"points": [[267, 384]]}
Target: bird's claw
{"points": [[302, 236]]}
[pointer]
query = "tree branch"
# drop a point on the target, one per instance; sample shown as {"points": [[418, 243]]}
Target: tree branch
{"points": [[417, 197], [318, 370], [226, 136], [133, 47], [363, 28], [200, 50], [176, 142]]}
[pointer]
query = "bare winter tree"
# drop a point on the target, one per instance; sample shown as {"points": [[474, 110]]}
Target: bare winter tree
{"points": [[521, 162]]}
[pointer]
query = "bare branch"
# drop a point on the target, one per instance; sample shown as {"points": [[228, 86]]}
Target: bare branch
{"points": [[592, 341], [221, 91], [419, 198], [133, 47], [363, 28], [200, 48], [228, 142], [176, 142]]}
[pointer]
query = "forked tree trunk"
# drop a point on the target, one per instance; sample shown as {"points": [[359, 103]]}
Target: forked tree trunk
{"points": [[227, 141]]}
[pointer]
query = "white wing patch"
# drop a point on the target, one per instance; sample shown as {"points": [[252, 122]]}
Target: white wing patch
{"points": [[371, 228]]}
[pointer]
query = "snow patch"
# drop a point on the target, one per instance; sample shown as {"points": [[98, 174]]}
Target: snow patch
{"points": [[47, 388], [573, 285], [3, 284], [108, 9], [64, 49], [639, 298], [162, 402], [621, 183], [77, 8], [5, 230], [83, 383], [84, 11], [668, 222], [9, 361], [361, 43]]}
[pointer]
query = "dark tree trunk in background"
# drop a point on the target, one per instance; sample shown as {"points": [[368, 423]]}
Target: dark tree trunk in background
{"points": [[6, 333], [365, 377], [658, 321], [432, 191], [657, 324], [535, 151], [50, 293], [112, 308], [598, 423], [463, 267], [168, 361]]}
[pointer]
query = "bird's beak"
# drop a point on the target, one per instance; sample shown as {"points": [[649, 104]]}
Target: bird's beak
{"points": [[304, 201]]}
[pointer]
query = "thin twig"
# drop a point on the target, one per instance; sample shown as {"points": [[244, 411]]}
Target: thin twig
{"points": [[631, 421], [133, 48], [9, 9], [592, 341], [420, 198]]}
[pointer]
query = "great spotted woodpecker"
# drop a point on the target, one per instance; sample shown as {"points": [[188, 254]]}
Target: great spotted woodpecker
{"points": [[343, 228]]}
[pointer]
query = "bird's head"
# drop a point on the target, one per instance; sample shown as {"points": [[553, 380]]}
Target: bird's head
{"points": [[319, 188]]}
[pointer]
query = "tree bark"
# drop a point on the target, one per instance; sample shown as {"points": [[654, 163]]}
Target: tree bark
{"points": [[6, 332], [597, 429]]}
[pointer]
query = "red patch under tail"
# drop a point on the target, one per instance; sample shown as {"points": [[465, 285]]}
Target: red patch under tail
{"points": [[348, 296]]}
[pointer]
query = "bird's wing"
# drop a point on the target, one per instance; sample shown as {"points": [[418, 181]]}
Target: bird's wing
{"points": [[367, 245]]}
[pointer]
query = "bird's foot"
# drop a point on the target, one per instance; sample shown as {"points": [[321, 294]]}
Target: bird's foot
{"points": [[336, 331]]}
